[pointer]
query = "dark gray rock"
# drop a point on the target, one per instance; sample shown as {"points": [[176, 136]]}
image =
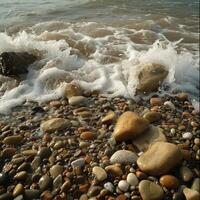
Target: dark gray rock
{"points": [[15, 63]]}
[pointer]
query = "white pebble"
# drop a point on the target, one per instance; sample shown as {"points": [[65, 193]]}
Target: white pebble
{"points": [[187, 135], [132, 179], [123, 185], [169, 104], [109, 186]]}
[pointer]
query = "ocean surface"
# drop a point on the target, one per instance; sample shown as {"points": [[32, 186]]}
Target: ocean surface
{"points": [[100, 44]]}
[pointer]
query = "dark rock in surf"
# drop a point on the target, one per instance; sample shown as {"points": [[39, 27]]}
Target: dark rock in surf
{"points": [[15, 63]]}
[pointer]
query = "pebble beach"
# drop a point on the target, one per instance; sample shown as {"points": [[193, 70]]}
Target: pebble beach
{"points": [[87, 146]]}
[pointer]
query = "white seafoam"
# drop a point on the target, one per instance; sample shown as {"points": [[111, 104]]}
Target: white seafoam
{"points": [[107, 59]]}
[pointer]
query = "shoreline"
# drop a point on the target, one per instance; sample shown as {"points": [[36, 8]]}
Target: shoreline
{"points": [[45, 163]]}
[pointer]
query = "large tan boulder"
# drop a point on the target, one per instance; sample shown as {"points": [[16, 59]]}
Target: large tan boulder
{"points": [[160, 158], [55, 124], [128, 126], [151, 77]]}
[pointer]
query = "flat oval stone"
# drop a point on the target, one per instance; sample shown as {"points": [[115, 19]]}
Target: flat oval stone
{"points": [[56, 170], [123, 156], [13, 140], [169, 181], [55, 124], [99, 173], [21, 176], [150, 191], [160, 158], [8, 152]]}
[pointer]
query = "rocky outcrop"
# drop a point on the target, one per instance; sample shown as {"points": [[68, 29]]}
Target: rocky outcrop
{"points": [[15, 63]]}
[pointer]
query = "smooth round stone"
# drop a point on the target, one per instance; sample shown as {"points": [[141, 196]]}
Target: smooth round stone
{"points": [[44, 152], [19, 188], [196, 184], [80, 162], [99, 173], [59, 145], [191, 194], [13, 140], [45, 182], [160, 158], [109, 186], [87, 135], [66, 185], [186, 174], [169, 181], [187, 135], [77, 100], [152, 116], [56, 170], [109, 118], [128, 126], [94, 191], [150, 191], [46, 195], [6, 196], [132, 179], [31, 194], [8, 152], [21, 176], [58, 181], [55, 124], [36, 162], [123, 185], [123, 157]]}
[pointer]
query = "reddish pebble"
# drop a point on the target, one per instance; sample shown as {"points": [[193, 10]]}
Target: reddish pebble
{"points": [[141, 175], [156, 101], [87, 135], [169, 181], [55, 104], [121, 197]]}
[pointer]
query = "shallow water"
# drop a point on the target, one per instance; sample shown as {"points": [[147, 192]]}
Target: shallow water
{"points": [[99, 44]]}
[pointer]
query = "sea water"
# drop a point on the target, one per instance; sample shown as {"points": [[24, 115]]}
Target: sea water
{"points": [[99, 44]]}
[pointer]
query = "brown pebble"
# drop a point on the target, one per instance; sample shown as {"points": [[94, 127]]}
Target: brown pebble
{"points": [[66, 186], [8, 152], [169, 181], [141, 175], [156, 101], [121, 197], [87, 135], [46, 195], [55, 104], [114, 170]]}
